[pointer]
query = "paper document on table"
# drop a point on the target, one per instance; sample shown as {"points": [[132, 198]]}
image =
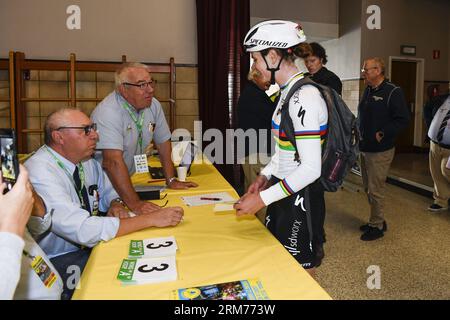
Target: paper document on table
{"points": [[223, 207], [143, 271], [210, 198], [251, 289], [151, 248]]}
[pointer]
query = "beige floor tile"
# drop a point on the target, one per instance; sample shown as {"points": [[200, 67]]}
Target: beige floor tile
{"points": [[413, 255], [413, 167]]}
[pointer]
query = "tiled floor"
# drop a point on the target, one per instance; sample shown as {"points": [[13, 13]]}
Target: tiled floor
{"points": [[413, 167], [413, 256]]}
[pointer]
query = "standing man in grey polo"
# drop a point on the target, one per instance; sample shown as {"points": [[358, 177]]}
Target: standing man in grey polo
{"points": [[128, 119]]}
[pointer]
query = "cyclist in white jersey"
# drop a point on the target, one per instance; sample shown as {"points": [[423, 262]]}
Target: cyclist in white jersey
{"points": [[285, 185]]}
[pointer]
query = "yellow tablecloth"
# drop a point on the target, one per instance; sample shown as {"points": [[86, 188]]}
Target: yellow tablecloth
{"points": [[213, 248], [204, 174]]}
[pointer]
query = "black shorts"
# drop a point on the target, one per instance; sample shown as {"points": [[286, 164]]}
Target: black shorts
{"points": [[289, 220]]}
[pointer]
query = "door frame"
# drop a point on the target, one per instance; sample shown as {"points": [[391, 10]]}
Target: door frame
{"points": [[419, 132]]}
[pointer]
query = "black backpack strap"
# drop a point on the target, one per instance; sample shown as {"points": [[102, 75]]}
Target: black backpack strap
{"points": [[286, 123]]}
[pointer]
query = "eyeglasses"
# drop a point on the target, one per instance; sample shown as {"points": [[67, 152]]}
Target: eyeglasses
{"points": [[142, 85], [87, 129], [367, 69]]}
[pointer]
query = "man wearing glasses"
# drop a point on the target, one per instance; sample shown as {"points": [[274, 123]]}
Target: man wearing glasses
{"points": [[128, 120], [382, 114], [77, 190]]}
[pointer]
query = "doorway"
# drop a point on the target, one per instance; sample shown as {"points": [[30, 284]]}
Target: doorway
{"points": [[408, 73], [404, 75], [410, 164]]}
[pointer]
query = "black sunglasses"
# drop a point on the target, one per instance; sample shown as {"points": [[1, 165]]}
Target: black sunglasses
{"points": [[87, 129]]}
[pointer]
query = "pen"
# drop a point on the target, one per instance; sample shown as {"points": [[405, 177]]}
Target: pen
{"points": [[212, 199]]}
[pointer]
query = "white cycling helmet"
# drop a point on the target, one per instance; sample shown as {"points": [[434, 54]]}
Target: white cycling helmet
{"points": [[279, 34]]}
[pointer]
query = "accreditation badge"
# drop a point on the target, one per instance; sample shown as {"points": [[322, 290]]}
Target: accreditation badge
{"points": [[43, 271], [140, 163], [95, 203], [151, 127]]}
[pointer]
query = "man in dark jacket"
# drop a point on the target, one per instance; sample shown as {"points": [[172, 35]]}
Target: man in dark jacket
{"points": [[382, 114], [254, 110]]}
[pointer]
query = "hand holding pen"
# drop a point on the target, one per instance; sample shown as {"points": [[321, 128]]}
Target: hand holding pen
{"points": [[249, 203]]}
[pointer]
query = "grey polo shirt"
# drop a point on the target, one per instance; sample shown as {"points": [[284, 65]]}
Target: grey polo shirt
{"points": [[118, 131]]}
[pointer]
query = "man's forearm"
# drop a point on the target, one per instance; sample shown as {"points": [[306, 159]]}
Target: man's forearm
{"points": [[134, 224], [165, 155], [118, 174]]}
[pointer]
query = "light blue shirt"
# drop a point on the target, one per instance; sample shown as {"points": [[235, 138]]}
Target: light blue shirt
{"points": [[117, 130], [71, 226]]}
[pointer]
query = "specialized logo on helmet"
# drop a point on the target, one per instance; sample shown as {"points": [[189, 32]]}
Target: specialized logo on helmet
{"points": [[274, 44], [299, 30]]}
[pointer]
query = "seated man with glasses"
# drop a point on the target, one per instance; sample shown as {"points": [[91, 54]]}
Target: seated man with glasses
{"points": [[79, 193], [128, 120]]}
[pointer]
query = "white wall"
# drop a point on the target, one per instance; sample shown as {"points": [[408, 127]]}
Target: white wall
{"points": [[320, 11], [421, 23], [344, 53], [144, 30], [319, 18]]}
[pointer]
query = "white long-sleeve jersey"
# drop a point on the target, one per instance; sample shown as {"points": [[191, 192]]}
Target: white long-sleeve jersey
{"points": [[309, 115]]}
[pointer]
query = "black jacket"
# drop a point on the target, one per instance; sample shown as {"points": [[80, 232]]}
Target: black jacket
{"points": [[254, 111], [327, 78], [381, 109]]}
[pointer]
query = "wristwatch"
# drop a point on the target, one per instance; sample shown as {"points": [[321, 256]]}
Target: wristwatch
{"points": [[169, 181], [119, 201]]}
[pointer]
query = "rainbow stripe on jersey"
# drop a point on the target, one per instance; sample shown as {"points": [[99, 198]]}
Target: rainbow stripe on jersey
{"points": [[283, 142]]}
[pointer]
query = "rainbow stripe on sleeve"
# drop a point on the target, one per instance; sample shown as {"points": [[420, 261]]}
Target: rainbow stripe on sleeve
{"points": [[285, 187], [285, 144]]}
